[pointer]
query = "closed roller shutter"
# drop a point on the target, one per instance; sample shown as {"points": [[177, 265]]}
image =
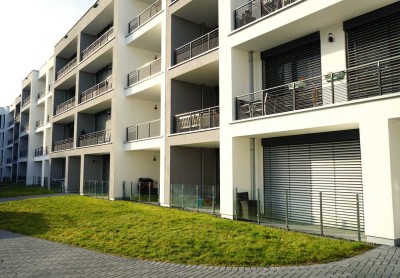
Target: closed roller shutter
{"points": [[305, 170]]}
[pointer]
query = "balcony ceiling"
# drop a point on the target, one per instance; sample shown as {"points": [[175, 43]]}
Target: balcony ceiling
{"points": [[99, 62], [98, 107], [101, 21], [204, 11], [66, 84], [69, 50], [147, 39]]}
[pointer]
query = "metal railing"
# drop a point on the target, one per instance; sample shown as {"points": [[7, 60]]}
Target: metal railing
{"points": [[71, 64], [41, 94], [26, 101], [106, 37], [11, 122], [23, 153], [25, 128], [256, 9], [95, 138], [38, 152], [9, 141], [39, 123], [144, 192], [57, 185], [143, 131], [9, 160], [96, 188], [145, 16], [144, 72], [196, 120], [66, 105], [36, 181], [204, 198], [305, 210], [17, 118], [197, 46], [64, 144], [369, 80], [97, 90]]}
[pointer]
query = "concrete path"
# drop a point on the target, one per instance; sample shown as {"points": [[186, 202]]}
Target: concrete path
{"points": [[23, 256], [2, 200]]}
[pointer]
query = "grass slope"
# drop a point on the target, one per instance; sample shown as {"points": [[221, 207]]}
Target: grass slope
{"points": [[15, 190], [161, 234]]}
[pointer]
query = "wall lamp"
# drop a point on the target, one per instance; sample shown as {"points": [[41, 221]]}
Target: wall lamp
{"points": [[154, 158], [66, 37], [95, 5], [155, 107], [330, 38]]}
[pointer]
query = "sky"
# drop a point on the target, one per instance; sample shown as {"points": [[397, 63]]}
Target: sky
{"points": [[30, 30]]}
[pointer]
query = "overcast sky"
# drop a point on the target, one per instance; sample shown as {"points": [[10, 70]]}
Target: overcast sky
{"points": [[30, 30]]}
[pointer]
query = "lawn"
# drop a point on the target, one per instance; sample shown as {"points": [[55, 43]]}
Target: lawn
{"points": [[155, 233], [14, 190]]}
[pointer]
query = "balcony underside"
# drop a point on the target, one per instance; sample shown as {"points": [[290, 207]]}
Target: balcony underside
{"points": [[205, 11], [147, 36], [149, 89]]}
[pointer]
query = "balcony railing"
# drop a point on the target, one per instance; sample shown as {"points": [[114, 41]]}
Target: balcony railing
{"points": [[256, 9], [9, 141], [197, 46], [97, 89], [51, 87], [11, 122], [95, 138], [67, 68], [17, 118], [26, 101], [9, 160], [369, 80], [143, 131], [15, 158], [65, 106], [23, 154], [64, 144], [145, 16], [39, 123], [41, 94], [25, 128], [196, 120], [107, 36], [144, 72], [96, 188], [38, 152]]}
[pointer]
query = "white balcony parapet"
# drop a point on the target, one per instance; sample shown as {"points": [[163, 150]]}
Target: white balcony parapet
{"points": [[97, 44], [145, 16]]}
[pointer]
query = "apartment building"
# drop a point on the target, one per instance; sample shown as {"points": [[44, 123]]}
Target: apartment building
{"points": [[283, 112]]}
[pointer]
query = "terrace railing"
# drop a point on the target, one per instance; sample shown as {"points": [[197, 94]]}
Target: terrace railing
{"points": [[65, 106], [256, 9], [97, 90], [38, 152], [143, 131], [25, 128], [95, 138], [365, 81], [101, 41], [145, 16], [39, 123], [56, 185], [144, 72], [142, 191], [71, 64], [26, 101], [41, 94], [203, 198], [197, 46], [64, 144], [96, 188], [197, 120], [23, 153]]}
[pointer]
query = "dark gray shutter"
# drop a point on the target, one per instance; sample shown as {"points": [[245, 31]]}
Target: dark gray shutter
{"points": [[333, 168]]}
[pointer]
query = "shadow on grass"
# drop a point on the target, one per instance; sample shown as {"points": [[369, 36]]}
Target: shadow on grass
{"points": [[27, 223]]}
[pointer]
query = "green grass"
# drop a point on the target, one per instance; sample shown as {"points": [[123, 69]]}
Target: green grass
{"points": [[15, 190], [171, 235]]}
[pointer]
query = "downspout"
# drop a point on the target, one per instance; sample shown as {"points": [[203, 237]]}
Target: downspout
{"points": [[252, 140]]}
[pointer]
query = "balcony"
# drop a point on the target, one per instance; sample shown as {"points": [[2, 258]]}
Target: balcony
{"points": [[143, 131], [197, 120], [256, 9], [9, 160], [63, 145], [10, 141], [39, 123], [145, 16], [67, 68], [23, 154], [25, 128], [10, 123], [61, 108], [15, 158], [38, 152], [365, 81], [95, 138], [41, 94], [144, 72], [26, 101], [97, 44], [196, 47], [97, 90]]}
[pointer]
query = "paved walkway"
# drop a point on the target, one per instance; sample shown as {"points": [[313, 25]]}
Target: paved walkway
{"points": [[23, 256], [29, 197]]}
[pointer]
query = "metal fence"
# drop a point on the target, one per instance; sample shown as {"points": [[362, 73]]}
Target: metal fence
{"points": [[204, 198], [96, 188], [197, 46], [144, 192], [101, 41], [38, 151], [41, 94], [26, 101], [196, 120], [64, 144], [97, 89], [143, 131], [65, 106], [256, 9], [64, 70], [37, 181], [95, 138], [39, 123], [57, 185], [145, 16], [144, 72]]}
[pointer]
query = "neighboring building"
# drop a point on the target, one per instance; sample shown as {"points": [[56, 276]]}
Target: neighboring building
{"points": [[293, 103]]}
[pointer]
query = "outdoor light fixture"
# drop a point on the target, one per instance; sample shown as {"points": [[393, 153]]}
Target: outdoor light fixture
{"points": [[66, 37], [93, 160], [154, 158], [95, 5], [330, 38], [155, 107]]}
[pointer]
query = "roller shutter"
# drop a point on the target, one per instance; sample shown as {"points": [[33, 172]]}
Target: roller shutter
{"points": [[305, 170]]}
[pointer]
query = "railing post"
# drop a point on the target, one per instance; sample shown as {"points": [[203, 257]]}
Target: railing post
{"points": [[123, 190], [149, 192], [183, 188], [190, 119], [236, 204], [209, 114], [149, 130], [95, 189], [171, 189], [358, 217], [287, 208], [379, 78], [320, 213], [102, 189], [332, 89], [208, 41], [197, 198], [131, 191], [139, 186], [213, 199], [294, 95], [137, 132], [258, 206]]}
